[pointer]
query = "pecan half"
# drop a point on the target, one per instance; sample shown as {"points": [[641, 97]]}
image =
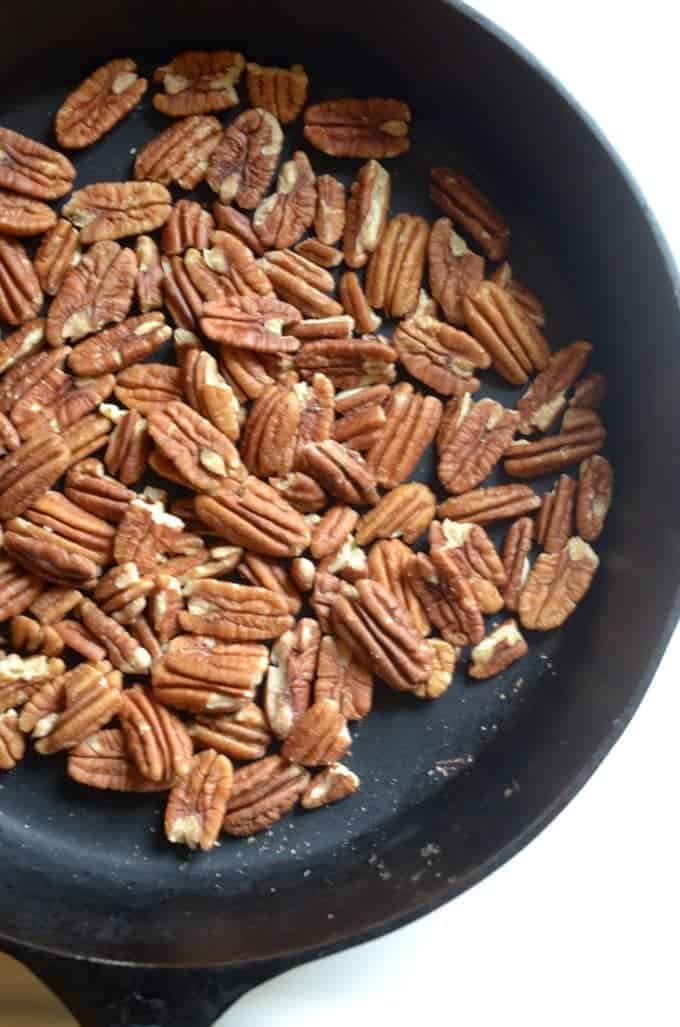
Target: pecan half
{"points": [[302, 283], [188, 226], [454, 269], [387, 563], [320, 737], [530, 304], [59, 401], [32, 169], [445, 656], [471, 440], [554, 453], [93, 294], [405, 513], [446, 594], [395, 269], [284, 217], [92, 698], [201, 674], [262, 793], [89, 487], [20, 344], [255, 516], [234, 613], [78, 638], [226, 271], [354, 303], [282, 420], [22, 676], [123, 650], [332, 531], [22, 216], [342, 678], [411, 423], [545, 399], [270, 574], [201, 454], [208, 393], [556, 584], [28, 636], [86, 436], [12, 742], [331, 784], [243, 735], [197, 804], [20, 293], [18, 589], [555, 521], [147, 387], [27, 374], [102, 761], [349, 363], [145, 534], [251, 323], [589, 393], [198, 82], [121, 346], [514, 343], [468, 207], [300, 490], [58, 251], [379, 630], [122, 592], [54, 518], [367, 208], [292, 670], [485, 506], [515, 557], [374, 127], [242, 166], [232, 220], [112, 210], [53, 604], [440, 356], [327, 587], [329, 219], [156, 739], [149, 280], [319, 253], [28, 472], [128, 448], [475, 556], [179, 154], [497, 651], [595, 487], [340, 472], [281, 91], [100, 102]]}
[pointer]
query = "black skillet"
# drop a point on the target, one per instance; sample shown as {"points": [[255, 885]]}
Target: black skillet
{"points": [[128, 931]]}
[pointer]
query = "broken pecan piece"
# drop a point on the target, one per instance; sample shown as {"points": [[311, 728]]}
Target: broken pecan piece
{"points": [[201, 454], [22, 216], [340, 472], [281, 91], [440, 356], [595, 487], [555, 521], [179, 154], [292, 670], [112, 210], [100, 102], [102, 761], [201, 674], [331, 784], [320, 737], [445, 656], [404, 513], [20, 293], [454, 269], [514, 343], [411, 423], [319, 253], [556, 584], [156, 739], [468, 207], [342, 678], [374, 127], [367, 208], [18, 589], [262, 793], [554, 453], [149, 280], [496, 652], [387, 563], [198, 82], [128, 448], [329, 219], [354, 303], [28, 472], [530, 304], [22, 676], [32, 169], [515, 556], [234, 613], [447, 597], [395, 269], [243, 735], [124, 651], [471, 440], [93, 294], [255, 516], [545, 399], [29, 636], [12, 742], [58, 251], [197, 803], [86, 436], [284, 217], [122, 592], [121, 346]]}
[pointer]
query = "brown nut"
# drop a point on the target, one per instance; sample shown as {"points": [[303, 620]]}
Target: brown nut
{"points": [[255, 516], [395, 270], [320, 253], [156, 739], [442, 357], [89, 487], [454, 269], [80, 640], [342, 678], [18, 589], [595, 487], [554, 453], [589, 393], [411, 423], [123, 650], [102, 100], [29, 636], [556, 584], [405, 512], [331, 784], [234, 613], [233, 221], [282, 421], [204, 675], [147, 387], [12, 742], [112, 210], [327, 587], [149, 279], [329, 219], [529, 303], [485, 506], [242, 166], [271, 574], [387, 564], [515, 556], [469, 546], [284, 217], [20, 344], [262, 793], [28, 472], [20, 293], [32, 169], [120, 346], [53, 518], [468, 207], [22, 216], [302, 283], [58, 251], [447, 597], [22, 676], [332, 531], [300, 490], [197, 803], [188, 226], [102, 761], [445, 656], [555, 521], [497, 651], [53, 604], [320, 737], [472, 439], [281, 91], [251, 323], [122, 592], [367, 209], [92, 698], [292, 671], [349, 363], [198, 82], [209, 394], [128, 448], [545, 399], [340, 472], [374, 127], [86, 436], [146, 533], [243, 735], [513, 342], [226, 270], [201, 454], [95, 293], [180, 153], [28, 373], [354, 303]]}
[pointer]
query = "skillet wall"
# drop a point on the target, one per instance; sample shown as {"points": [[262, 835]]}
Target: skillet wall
{"points": [[437, 58]]}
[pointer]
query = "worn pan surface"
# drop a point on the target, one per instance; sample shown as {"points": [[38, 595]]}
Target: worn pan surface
{"points": [[450, 790]]}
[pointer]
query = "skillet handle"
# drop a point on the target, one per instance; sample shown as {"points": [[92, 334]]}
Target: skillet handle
{"points": [[104, 995]]}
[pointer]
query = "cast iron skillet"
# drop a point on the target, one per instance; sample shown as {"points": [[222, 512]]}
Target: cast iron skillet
{"points": [[129, 932]]}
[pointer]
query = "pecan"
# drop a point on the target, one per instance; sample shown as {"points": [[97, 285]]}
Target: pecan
{"points": [[471, 440], [20, 293], [58, 251], [255, 516], [95, 293], [201, 674], [284, 217], [332, 531], [282, 421], [179, 154], [123, 650], [343, 679], [28, 636], [578, 418], [411, 423], [32, 169], [300, 490], [26, 374], [188, 226], [91, 489], [164, 604], [555, 521], [595, 487], [53, 604], [272, 575], [447, 596], [362, 416], [21, 344], [331, 784], [349, 562], [473, 552], [302, 573], [438, 355], [28, 472], [201, 454], [18, 589], [556, 584], [253, 323], [291, 672], [395, 269], [234, 613], [102, 761], [198, 82], [237, 224], [454, 269], [329, 219], [545, 398], [121, 346], [367, 209], [128, 448], [41, 712], [515, 556], [92, 699], [387, 563], [349, 363], [100, 102], [468, 207], [497, 651], [22, 216], [262, 793], [242, 166], [12, 742], [208, 393], [243, 735], [374, 127], [214, 563], [197, 803], [530, 304], [145, 534], [149, 274], [156, 739], [86, 436], [147, 387], [22, 676], [122, 592], [327, 587], [112, 210], [380, 632], [9, 437], [293, 286], [59, 401], [589, 393], [354, 303], [319, 253], [514, 343], [484, 506], [554, 453], [405, 513], [78, 638], [445, 656], [226, 270], [320, 737], [281, 91], [54, 521], [340, 472]]}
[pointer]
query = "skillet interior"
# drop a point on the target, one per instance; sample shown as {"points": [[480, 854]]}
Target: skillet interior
{"points": [[88, 873]]}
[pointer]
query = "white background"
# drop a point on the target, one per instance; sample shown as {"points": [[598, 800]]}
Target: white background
{"points": [[581, 927]]}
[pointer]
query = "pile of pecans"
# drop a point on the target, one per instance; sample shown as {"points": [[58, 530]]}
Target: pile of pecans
{"points": [[286, 438]]}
